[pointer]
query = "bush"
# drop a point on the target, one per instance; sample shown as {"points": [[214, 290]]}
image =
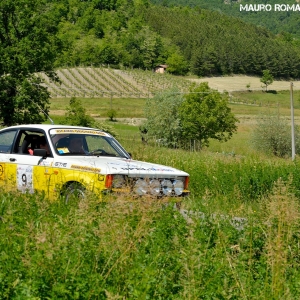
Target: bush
{"points": [[112, 113], [181, 121], [105, 127], [76, 116], [163, 123], [205, 115], [272, 135]]}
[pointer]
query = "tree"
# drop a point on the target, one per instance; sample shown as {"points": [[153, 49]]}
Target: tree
{"points": [[112, 113], [27, 45], [267, 78], [76, 116], [174, 120], [163, 122], [177, 64], [150, 46], [272, 135], [204, 115]]}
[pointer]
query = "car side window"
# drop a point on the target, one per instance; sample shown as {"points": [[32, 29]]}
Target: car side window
{"points": [[6, 140], [28, 140]]}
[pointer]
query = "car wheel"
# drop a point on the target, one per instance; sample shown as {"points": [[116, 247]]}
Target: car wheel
{"points": [[75, 191]]}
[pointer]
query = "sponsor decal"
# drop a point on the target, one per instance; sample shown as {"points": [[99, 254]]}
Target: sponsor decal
{"points": [[85, 168], [132, 167], [60, 164], [148, 169], [101, 177], [80, 131], [63, 150], [45, 163]]}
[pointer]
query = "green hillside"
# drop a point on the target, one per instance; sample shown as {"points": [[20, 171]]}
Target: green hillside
{"points": [[141, 35], [276, 21], [217, 44]]}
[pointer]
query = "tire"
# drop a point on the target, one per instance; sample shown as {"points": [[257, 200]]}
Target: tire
{"points": [[74, 192]]}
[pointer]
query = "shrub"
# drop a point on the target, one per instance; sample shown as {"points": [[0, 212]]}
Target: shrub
{"points": [[105, 127], [76, 116], [267, 78], [112, 113], [163, 122], [180, 121], [205, 115], [272, 135]]}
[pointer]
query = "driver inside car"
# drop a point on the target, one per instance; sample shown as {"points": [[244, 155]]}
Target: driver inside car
{"points": [[43, 144], [76, 144]]}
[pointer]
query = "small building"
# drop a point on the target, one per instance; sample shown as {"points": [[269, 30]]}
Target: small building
{"points": [[160, 69]]}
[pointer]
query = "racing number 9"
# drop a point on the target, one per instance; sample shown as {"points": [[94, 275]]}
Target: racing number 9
{"points": [[24, 179]]}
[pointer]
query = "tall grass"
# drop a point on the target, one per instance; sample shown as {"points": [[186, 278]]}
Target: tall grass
{"points": [[141, 249], [144, 250], [137, 250]]}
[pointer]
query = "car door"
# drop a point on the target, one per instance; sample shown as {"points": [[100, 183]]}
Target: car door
{"points": [[7, 138], [27, 172]]}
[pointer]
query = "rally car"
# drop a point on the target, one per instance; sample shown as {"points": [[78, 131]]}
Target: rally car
{"points": [[67, 160]]}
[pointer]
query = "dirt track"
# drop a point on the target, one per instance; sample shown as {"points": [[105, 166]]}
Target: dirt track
{"points": [[237, 83]]}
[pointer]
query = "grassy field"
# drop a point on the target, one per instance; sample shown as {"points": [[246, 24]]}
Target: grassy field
{"points": [[141, 249], [98, 107], [243, 102]]}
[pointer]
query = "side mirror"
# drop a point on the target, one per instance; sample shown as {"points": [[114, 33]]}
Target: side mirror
{"points": [[40, 152]]}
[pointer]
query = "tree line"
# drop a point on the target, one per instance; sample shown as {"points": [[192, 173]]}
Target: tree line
{"points": [[279, 22], [40, 36], [136, 34], [215, 44]]}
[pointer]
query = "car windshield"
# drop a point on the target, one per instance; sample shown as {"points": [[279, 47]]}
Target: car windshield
{"points": [[86, 142]]}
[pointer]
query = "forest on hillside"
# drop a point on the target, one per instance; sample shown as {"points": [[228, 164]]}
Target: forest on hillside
{"points": [[287, 22], [137, 34], [217, 44]]}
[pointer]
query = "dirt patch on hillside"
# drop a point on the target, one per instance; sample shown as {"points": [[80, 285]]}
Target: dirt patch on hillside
{"points": [[238, 83]]}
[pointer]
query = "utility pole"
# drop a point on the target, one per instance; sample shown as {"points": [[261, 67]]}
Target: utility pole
{"points": [[292, 122]]}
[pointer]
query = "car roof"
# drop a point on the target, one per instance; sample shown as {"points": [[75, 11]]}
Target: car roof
{"points": [[47, 127]]}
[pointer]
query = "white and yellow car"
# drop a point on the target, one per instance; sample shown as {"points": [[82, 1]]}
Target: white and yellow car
{"points": [[67, 160]]}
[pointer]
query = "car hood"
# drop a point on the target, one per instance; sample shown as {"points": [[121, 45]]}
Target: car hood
{"points": [[113, 165]]}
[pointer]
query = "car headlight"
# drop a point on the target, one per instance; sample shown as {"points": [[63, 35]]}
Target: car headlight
{"points": [[118, 181], [178, 186], [154, 187], [167, 187], [141, 187]]}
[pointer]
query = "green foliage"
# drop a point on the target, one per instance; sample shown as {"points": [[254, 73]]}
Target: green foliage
{"points": [[76, 116], [267, 78], [27, 45], [205, 115], [202, 114], [163, 122], [134, 34], [279, 22], [139, 250], [177, 64], [272, 135], [112, 113], [215, 44]]}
